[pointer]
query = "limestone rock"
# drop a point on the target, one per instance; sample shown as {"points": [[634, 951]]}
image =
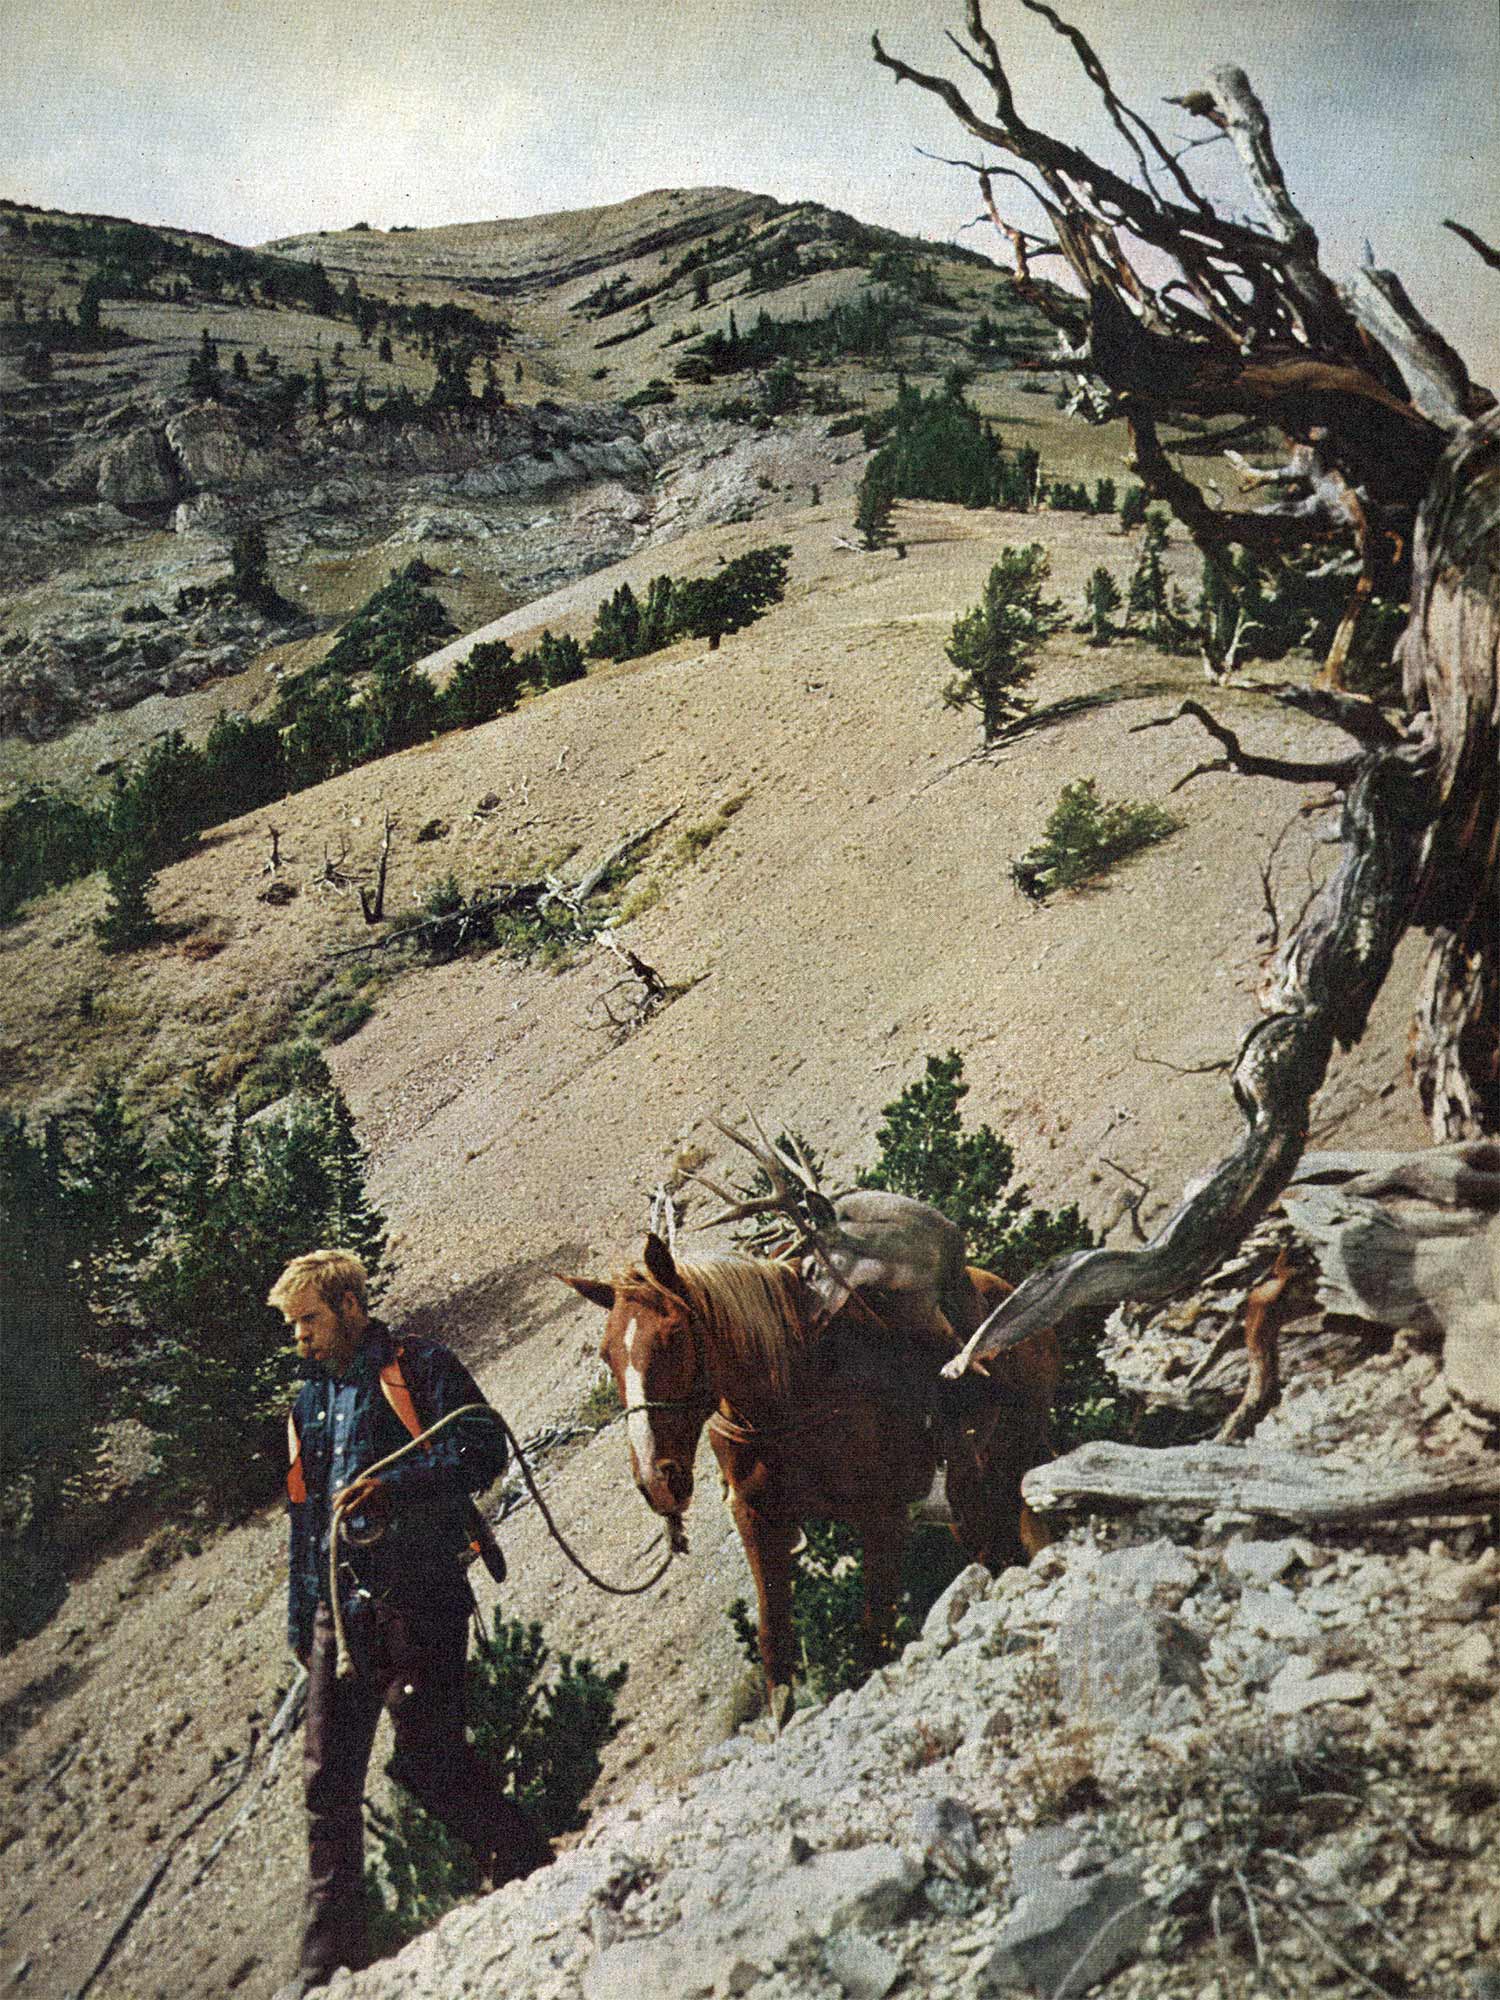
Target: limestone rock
{"points": [[139, 471], [212, 453], [865, 1969], [1297, 1687], [1115, 1659], [1067, 1933], [967, 1588]]}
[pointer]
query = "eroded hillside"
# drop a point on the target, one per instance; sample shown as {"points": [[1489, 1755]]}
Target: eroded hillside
{"points": [[851, 913]]}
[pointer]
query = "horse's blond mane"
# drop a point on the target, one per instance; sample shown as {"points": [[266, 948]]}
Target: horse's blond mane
{"points": [[746, 1304]]}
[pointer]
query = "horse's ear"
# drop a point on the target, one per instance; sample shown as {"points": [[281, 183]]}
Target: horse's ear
{"points": [[659, 1264], [595, 1290]]}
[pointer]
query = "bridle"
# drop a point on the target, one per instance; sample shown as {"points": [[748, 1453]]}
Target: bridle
{"points": [[689, 1402]]}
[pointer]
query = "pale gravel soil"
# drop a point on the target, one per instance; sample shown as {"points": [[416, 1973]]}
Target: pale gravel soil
{"points": [[854, 915]]}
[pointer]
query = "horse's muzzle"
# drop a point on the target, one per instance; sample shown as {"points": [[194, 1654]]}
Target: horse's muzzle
{"points": [[669, 1487]]}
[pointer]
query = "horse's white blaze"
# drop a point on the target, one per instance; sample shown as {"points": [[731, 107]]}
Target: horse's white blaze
{"points": [[638, 1422]]}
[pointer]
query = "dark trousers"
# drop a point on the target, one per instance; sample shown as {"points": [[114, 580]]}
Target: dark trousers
{"points": [[413, 1667]]}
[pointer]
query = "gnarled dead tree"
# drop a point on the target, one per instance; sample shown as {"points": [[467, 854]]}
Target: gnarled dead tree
{"points": [[1394, 453]]}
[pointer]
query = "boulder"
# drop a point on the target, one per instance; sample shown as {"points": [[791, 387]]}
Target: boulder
{"points": [[1115, 1659], [1066, 1932], [139, 471], [204, 514], [212, 454]]}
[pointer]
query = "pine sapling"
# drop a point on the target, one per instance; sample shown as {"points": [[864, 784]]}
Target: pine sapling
{"points": [[992, 646], [1101, 600]]}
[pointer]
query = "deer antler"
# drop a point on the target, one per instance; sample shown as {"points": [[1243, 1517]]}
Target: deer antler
{"points": [[664, 1218], [796, 1195]]}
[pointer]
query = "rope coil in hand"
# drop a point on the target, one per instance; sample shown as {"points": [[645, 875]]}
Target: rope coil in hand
{"points": [[355, 1497]]}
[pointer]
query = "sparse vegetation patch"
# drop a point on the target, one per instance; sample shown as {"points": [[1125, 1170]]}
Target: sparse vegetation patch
{"points": [[1085, 836]]}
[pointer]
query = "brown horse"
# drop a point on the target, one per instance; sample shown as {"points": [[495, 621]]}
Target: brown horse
{"points": [[738, 1343]]}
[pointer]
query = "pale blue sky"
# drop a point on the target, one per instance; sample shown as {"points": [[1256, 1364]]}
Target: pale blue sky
{"points": [[258, 118]]}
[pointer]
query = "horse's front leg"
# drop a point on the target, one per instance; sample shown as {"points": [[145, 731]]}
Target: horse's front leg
{"points": [[768, 1549], [884, 1538]]}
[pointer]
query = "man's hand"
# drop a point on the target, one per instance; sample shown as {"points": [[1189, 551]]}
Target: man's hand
{"points": [[364, 1496]]}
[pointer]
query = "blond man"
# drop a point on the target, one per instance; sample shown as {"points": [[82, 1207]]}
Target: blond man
{"points": [[398, 1580]]}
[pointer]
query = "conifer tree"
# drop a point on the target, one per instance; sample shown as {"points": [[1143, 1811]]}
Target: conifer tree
{"points": [[992, 645], [484, 684], [1101, 600], [128, 922], [875, 505], [617, 627], [1132, 509], [90, 300]]}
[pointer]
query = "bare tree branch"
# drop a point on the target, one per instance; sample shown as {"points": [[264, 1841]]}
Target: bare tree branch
{"points": [[1327, 980], [1249, 762], [1476, 243], [1398, 464]]}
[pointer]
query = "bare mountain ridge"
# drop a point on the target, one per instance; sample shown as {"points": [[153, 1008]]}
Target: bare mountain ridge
{"points": [[519, 254]]}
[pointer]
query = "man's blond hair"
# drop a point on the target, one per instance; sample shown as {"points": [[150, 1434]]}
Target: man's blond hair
{"points": [[332, 1274]]}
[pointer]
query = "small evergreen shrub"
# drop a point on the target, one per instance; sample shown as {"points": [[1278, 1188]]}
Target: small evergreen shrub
{"points": [[453, 927], [1150, 602], [1085, 836], [992, 646], [1101, 600], [874, 507], [543, 1727]]}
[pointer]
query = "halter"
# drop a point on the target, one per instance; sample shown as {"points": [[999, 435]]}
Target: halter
{"points": [[688, 1402]]}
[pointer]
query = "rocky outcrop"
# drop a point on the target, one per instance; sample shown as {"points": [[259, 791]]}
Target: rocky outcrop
{"points": [[139, 472], [1081, 1771], [213, 454]]}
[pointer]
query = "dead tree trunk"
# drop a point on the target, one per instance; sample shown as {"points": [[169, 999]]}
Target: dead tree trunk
{"points": [[1399, 460], [1450, 660]]}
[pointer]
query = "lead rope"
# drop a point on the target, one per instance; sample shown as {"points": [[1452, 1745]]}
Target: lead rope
{"points": [[339, 1529]]}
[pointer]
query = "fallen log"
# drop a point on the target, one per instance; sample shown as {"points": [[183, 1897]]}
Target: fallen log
{"points": [[1233, 1479]]}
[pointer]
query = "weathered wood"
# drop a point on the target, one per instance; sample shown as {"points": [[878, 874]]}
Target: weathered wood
{"points": [[1416, 1244], [1433, 371], [1241, 114], [512, 897], [1238, 1479], [1450, 659]]}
